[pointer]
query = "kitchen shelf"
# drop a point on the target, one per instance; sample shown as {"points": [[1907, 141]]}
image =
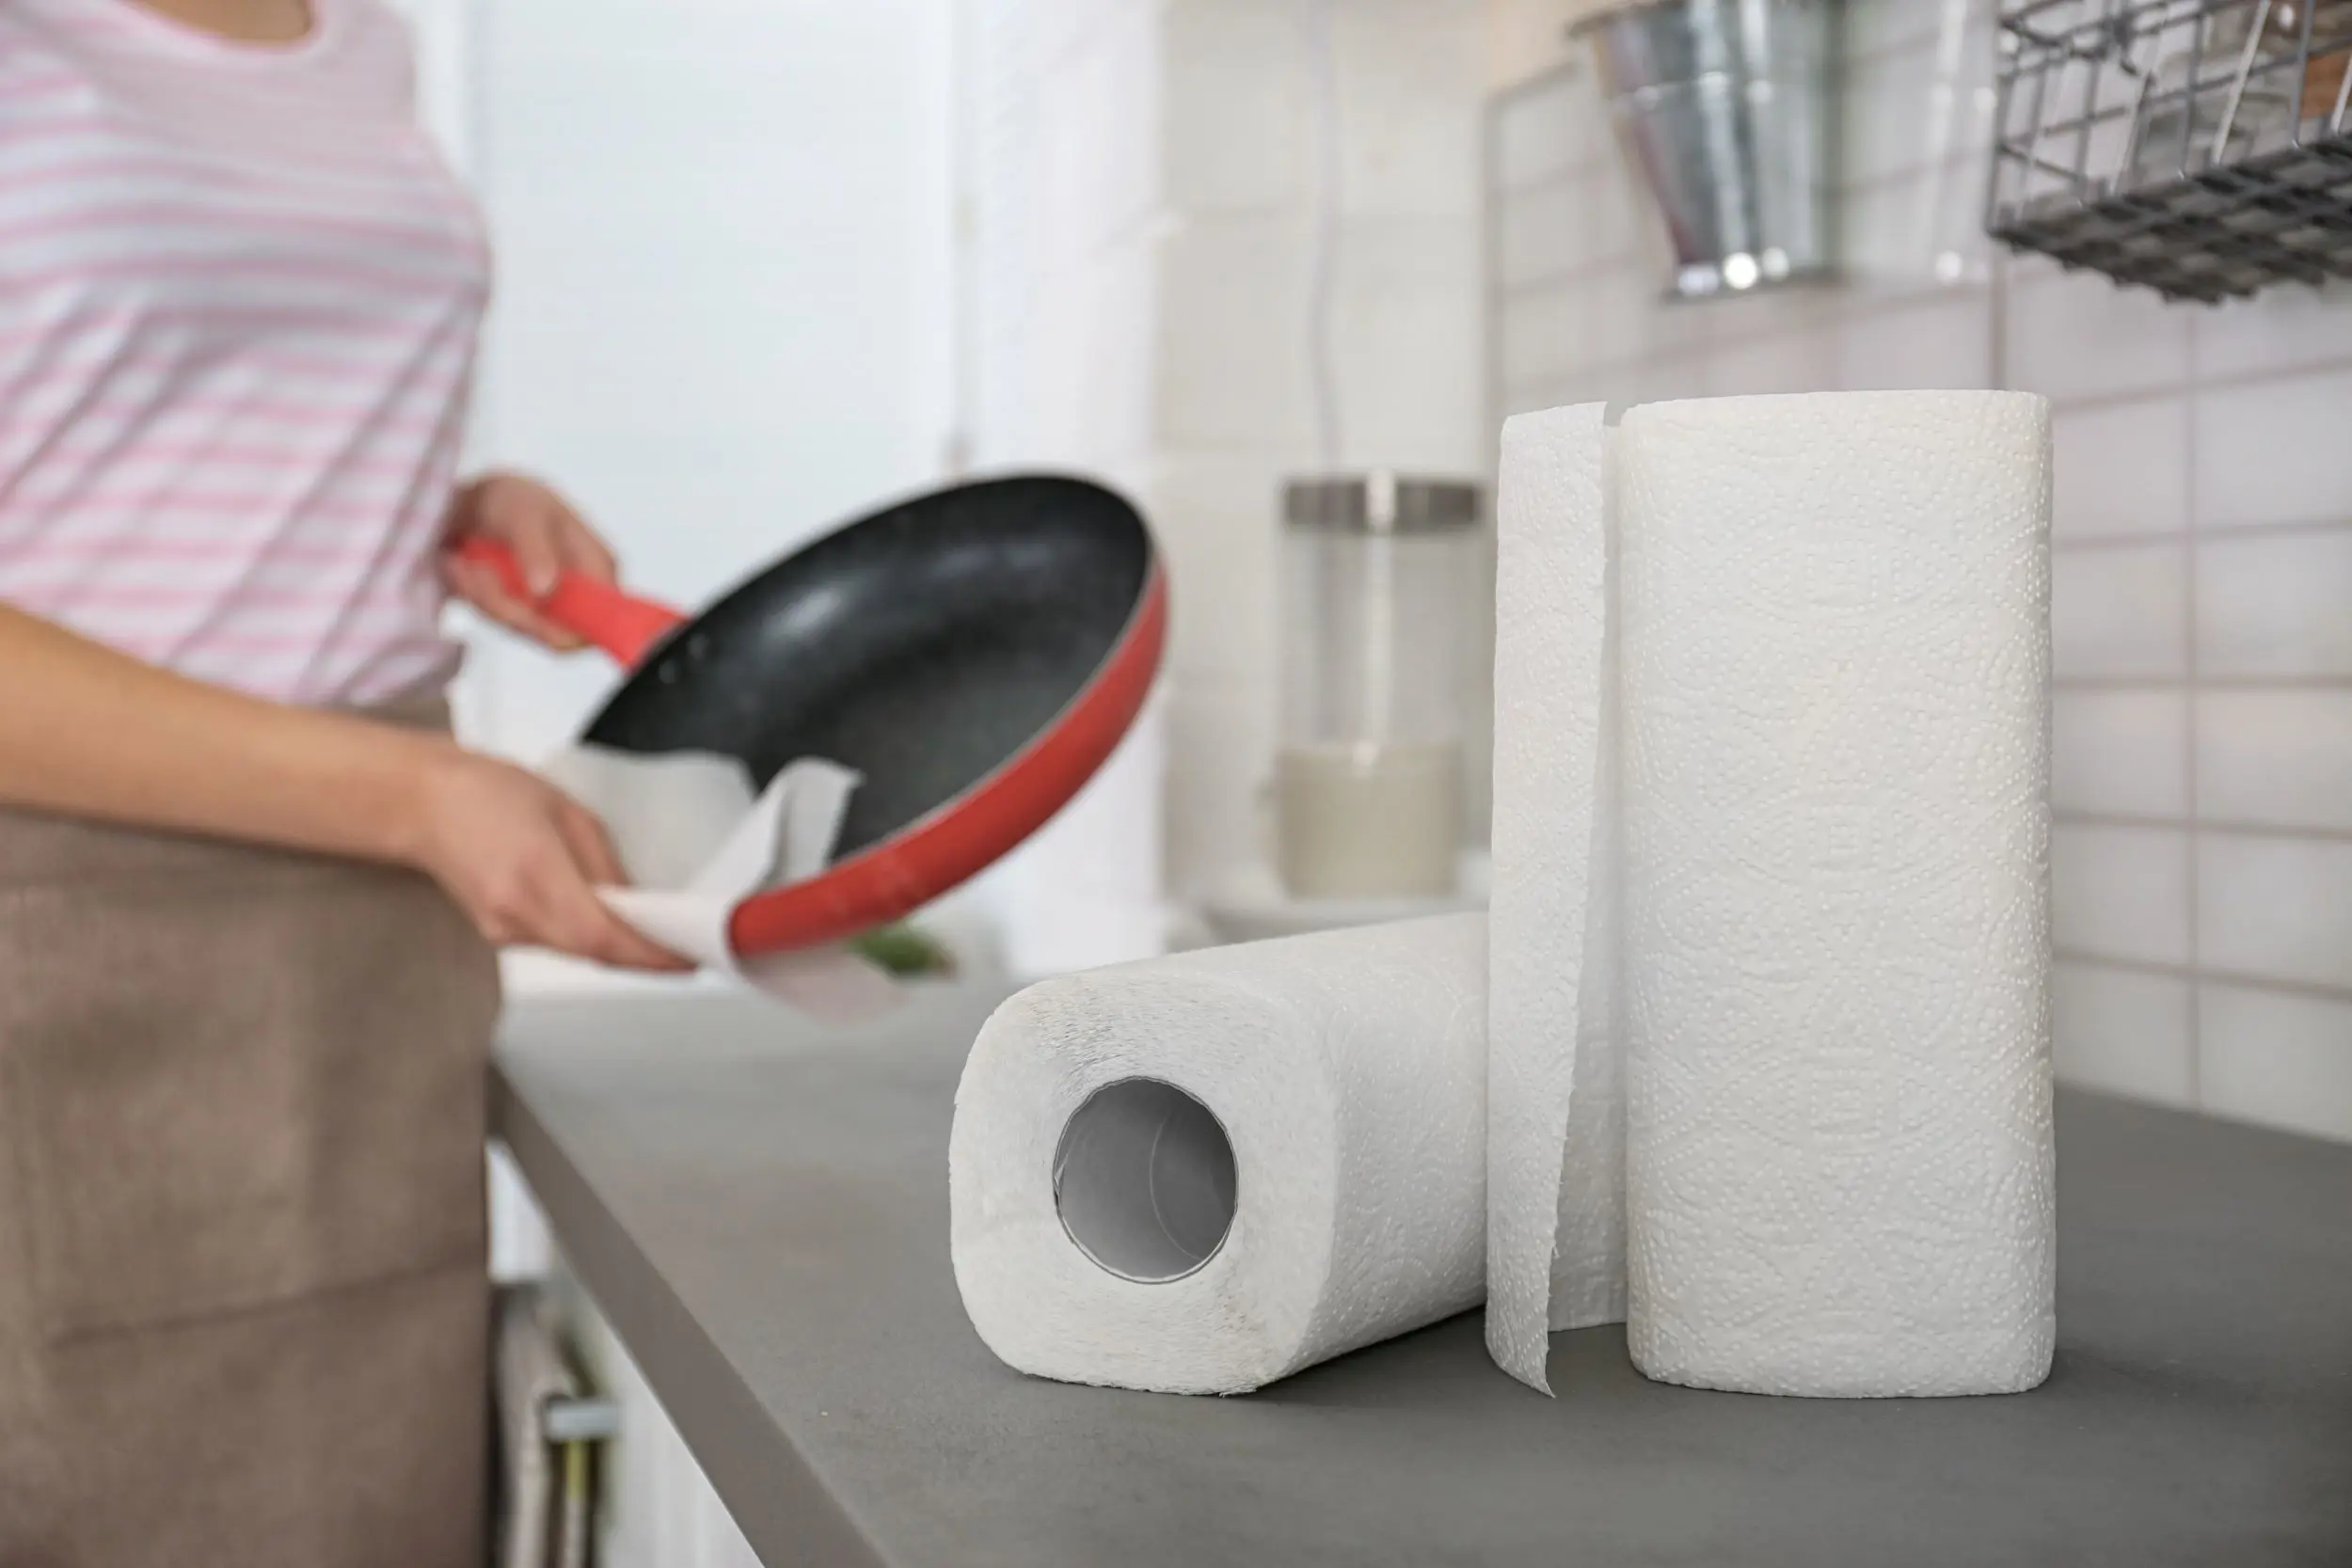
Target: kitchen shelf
{"points": [[2199, 148]]}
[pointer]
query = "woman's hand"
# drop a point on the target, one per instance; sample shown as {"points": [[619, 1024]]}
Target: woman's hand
{"points": [[547, 537], [523, 858]]}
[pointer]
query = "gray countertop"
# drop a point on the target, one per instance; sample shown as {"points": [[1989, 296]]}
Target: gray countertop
{"points": [[762, 1214]]}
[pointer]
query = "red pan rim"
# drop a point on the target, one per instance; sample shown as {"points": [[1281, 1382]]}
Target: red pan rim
{"points": [[962, 837]]}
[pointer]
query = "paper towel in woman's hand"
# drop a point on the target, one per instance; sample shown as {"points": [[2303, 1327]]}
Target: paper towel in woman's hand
{"points": [[1770, 935], [696, 840], [1201, 1173]]}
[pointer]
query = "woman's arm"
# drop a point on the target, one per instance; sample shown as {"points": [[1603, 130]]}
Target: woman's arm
{"points": [[88, 731]]}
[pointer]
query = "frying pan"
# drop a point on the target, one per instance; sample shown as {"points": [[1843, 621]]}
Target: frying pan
{"points": [[976, 652]]}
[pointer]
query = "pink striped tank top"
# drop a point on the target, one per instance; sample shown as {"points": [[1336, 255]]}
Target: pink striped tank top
{"points": [[239, 296]]}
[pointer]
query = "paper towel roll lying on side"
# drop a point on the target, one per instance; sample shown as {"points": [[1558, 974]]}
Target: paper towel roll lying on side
{"points": [[1201, 1173], [1771, 845]]}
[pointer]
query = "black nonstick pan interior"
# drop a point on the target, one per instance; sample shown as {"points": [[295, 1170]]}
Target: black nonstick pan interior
{"points": [[922, 645]]}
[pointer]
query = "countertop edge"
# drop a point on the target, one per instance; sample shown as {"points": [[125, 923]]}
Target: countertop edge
{"points": [[775, 1495]]}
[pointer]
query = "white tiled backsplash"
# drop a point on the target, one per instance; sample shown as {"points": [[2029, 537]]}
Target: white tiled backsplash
{"points": [[2202, 856], [1146, 221]]}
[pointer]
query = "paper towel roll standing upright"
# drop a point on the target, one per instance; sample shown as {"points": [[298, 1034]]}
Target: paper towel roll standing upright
{"points": [[1198, 1174], [1827, 974]]}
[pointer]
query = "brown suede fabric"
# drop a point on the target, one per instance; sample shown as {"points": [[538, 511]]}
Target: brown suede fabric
{"points": [[243, 1295]]}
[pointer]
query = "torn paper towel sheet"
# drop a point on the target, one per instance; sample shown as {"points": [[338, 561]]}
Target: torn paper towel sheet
{"points": [[1201, 1173], [697, 841], [1555, 1130], [1790, 658]]}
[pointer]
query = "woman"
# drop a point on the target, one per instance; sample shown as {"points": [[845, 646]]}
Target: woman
{"points": [[248, 884]]}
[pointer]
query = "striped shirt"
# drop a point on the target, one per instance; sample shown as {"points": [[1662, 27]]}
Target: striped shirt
{"points": [[239, 296]]}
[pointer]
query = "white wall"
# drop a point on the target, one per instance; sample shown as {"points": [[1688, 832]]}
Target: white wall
{"points": [[723, 232], [442, 32], [2202, 856]]}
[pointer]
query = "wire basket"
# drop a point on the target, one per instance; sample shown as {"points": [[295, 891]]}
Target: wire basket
{"points": [[2197, 147]]}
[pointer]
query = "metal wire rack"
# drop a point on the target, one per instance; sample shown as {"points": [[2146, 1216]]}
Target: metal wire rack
{"points": [[2197, 147]]}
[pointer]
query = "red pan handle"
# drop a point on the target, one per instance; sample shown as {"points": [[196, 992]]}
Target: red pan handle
{"points": [[622, 626]]}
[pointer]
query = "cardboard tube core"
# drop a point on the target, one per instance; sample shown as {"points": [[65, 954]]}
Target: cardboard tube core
{"points": [[1144, 1180]]}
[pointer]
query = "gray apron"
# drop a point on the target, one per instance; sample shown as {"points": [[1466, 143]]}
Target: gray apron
{"points": [[243, 1291]]}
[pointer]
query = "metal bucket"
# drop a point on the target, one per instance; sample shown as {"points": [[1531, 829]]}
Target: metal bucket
{"points": [[1727, 111]]}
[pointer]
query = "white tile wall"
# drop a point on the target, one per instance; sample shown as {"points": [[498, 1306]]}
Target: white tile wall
{"points": [[2125, 1031], [1558, 229], [2120, 891], [2275, 606], [1527, 39], [2074, 337], [1409, 344], [2284, 330], [1067, 223], [1937, 341], [2119, 613], [2274, 452], [2203, 548], [1411, 75], [1237, 132], [1551, 128], [1539, 338], [2122, 469], [1232, 365], [1785, 362], [2275, 759], [2267, 1056], [1216, 518], [2121, 753], [2275, 907], [1221, 737]]}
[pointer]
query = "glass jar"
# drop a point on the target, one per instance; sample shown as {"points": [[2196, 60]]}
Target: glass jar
{"points": [[1378, 573]]}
